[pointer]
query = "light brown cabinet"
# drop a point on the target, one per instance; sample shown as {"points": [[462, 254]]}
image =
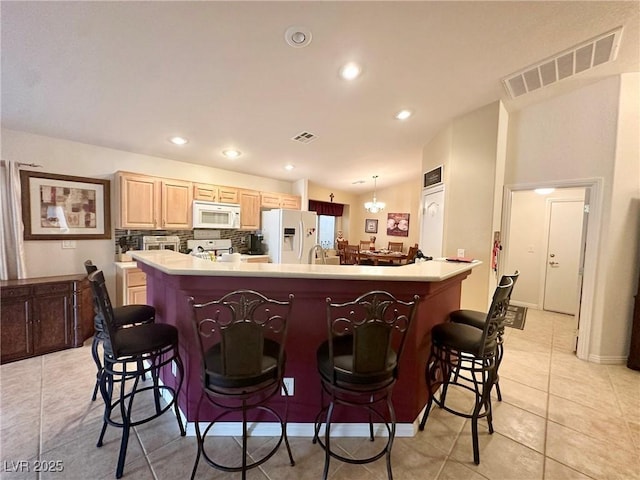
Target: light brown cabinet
{"points": [[204, 191], [150, 203], [215, 193], [131, 285], [279, 200], [43, 315], [249, 209], [292, 202]]}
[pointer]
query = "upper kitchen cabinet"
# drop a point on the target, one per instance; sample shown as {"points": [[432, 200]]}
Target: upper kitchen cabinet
{"points": [[177, 204], [228, 195], [249, 209], [204, 191], [290, 201], [215, 193], [279, 200], [150, 203]]}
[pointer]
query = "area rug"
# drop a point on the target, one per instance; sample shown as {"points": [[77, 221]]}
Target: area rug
{"points": [[515, 317]]}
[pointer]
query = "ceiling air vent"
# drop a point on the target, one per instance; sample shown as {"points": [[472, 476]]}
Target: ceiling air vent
{"points": [[304, 137], [582, 57]]}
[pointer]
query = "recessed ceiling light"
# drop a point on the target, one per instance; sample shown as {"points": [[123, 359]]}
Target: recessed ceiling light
{"points": [[298, 37], [289, 167], [178, 140], [350, 71], [231, 153], [403, 114]]}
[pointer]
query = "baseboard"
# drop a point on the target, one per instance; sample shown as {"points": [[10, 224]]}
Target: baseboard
{"points": [[607, 359], [295, 429]]}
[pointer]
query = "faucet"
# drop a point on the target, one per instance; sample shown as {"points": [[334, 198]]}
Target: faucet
{"points": [[312, 252]]}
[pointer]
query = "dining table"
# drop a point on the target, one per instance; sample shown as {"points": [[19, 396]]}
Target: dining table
{"points": [[377, 256]]}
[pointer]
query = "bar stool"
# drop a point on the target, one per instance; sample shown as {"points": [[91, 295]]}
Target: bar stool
{"points": [[464, 356], [477, 319], [241, 338], [129, 353], [124, 316], [358, 365]]}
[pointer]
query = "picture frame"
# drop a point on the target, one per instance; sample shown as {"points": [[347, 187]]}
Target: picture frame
{"points": [[371, 225], [398, 224], [64, 207]]}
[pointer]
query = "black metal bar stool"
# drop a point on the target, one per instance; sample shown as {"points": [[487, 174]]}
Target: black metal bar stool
{"points": [[477, 319], [464, 356], [124, 316], [358, 365], [242, 345], [130, 353]]}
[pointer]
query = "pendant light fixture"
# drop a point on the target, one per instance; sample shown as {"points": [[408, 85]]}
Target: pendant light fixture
{"points": [[375, 206]]}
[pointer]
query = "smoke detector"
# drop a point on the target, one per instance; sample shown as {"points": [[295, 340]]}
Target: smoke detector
{"points": [[298, 37]]}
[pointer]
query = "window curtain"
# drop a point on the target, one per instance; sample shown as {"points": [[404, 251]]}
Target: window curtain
{"points": [[12, 264], [326, 208]]}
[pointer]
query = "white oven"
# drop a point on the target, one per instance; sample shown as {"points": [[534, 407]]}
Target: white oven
{"points": [[161, 242], [215, 215]]}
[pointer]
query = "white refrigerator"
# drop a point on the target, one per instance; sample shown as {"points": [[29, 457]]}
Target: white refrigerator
{"points": [[289, 235]]}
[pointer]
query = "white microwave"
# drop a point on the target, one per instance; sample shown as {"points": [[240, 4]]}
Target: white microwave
{"points": [[215, 215]]}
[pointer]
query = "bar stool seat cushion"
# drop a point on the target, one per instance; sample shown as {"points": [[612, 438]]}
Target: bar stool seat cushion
{"points": [[268, 369], [461, 337], [145, 338], [470, 317], [343, 365]]}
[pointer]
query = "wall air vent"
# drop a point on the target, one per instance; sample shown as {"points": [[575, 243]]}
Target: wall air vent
{"points": [[582, 57], [304, 137]]}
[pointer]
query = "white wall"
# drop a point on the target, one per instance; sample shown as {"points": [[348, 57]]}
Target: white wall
{"points": [[469, 149], [526, 242], [46, 257], [586, 134]]}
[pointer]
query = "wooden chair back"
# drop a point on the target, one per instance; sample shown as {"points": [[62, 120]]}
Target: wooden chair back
{"points": [[395, 246], [351, 255]]}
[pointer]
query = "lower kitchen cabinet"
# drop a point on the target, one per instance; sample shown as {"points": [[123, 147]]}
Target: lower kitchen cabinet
{"points": [[43, 315], [131, 284]]}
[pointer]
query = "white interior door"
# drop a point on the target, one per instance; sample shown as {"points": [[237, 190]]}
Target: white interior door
{"points": [[432, 231], [563, 256]]}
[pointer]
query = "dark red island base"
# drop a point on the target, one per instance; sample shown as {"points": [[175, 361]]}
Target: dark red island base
{"points": [[169, 290]]}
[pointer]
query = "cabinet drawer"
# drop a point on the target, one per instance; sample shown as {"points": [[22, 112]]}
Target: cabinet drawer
{"points": [[14, 292], [49, 288], [136, 278]]}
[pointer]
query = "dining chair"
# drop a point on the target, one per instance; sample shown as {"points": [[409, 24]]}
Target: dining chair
{"points": [[395, 246], [351, 255], [365, 244]]}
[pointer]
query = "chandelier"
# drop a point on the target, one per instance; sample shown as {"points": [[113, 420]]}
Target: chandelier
{"points": [[375, 206]]}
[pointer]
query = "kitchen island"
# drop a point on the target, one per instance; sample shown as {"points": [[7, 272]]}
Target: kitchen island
{"points": [[173, 277]]}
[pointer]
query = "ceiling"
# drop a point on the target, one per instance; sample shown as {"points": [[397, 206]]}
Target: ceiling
{"points": [[129, 75]]}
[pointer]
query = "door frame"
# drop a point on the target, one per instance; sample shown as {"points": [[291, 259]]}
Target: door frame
{"points": [[547, 231], [594, 188]]}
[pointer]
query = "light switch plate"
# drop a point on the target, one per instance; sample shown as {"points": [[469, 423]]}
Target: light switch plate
{"points": [[68, 244], [461, 252]]}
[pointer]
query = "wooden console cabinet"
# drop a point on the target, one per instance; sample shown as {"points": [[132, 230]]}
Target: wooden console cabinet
{"points": [[42, 315]]}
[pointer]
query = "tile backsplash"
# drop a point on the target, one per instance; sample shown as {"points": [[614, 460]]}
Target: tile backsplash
{"points": [[134, 237]]}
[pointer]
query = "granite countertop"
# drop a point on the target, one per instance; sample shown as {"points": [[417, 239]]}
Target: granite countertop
{"points": [[174, 263]]}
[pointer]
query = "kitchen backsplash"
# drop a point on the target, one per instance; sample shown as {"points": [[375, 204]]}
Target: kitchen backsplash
{"points": [[134, 238]]}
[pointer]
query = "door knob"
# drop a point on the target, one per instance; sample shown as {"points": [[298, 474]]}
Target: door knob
{"points": [[552, 255], [554, 263]]}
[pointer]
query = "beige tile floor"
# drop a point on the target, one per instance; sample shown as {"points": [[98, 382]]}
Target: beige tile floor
{"points": [[561, 418]]}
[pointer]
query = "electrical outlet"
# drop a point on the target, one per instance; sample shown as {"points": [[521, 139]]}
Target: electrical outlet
{"points": [[68, 244], [288, 381], [174, 371], [461, 252]]}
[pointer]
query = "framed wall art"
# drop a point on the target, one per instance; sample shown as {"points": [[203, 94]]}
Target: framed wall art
{"points": [[371, 225], [398, 224], [63, 207]]}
